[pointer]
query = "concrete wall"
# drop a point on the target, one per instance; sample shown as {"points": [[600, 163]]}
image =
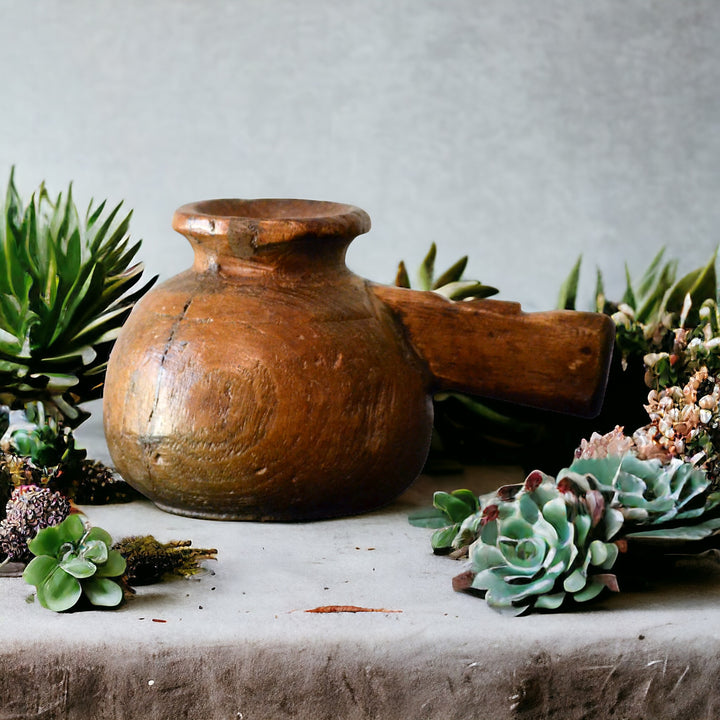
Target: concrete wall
{"points": [[521, 133]]}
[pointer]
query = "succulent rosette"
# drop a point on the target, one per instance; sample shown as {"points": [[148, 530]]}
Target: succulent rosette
{"points": [[549, 541], [542, 543], [73, 561]]}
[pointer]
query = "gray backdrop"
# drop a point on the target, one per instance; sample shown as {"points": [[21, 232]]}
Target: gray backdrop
{"points": [[520, 133]]}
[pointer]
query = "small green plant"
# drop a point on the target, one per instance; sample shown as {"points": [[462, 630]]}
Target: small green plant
{"points": [[450, 284], [73, 561], [46, 441], [547, 542], [446, 517], [536, 550]]}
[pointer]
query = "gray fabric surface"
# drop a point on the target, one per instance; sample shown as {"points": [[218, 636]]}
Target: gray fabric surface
{"points": [[236, 642]]}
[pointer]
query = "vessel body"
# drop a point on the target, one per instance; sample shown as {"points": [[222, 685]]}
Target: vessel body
{"points": [[269, 387]]}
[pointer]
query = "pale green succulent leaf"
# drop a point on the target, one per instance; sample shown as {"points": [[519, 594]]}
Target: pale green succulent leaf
{"points": [[102, 592], [78, 567], [428, 518], [96, 551], [489, 533], [114, 566], [598, 552], [550, 601], [38, 569], [604, 470], [582, 528], [686, 532], [528, 508], [575, 582], [525, 556], [96, 533], [555, 512], [485, 557], [589, 592], [59, 591], [612, 556]]}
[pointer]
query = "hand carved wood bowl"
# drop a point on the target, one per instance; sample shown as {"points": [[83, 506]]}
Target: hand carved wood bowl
{"points": [[268, 382]]}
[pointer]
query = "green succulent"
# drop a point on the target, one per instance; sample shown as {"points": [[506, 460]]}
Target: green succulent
{"points": [[450, 284], [548, 541], [48, 443], [650, 492], [64, 293], [73, 562], [449, 512], [650, 310], [543, 546]]}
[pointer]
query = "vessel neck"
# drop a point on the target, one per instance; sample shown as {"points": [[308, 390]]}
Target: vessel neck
{"points": [[282, 237]]}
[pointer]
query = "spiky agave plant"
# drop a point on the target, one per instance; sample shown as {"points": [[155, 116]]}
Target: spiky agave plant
{"points": [[64, 294]]}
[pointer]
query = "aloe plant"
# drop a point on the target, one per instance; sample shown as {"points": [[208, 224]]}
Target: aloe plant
{"points": [[65, 290]]}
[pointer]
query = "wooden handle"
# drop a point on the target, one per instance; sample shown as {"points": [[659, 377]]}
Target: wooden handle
{"points": [[556, 360]]}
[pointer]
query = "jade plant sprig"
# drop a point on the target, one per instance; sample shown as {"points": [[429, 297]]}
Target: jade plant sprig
{"points": [[72, 562]]}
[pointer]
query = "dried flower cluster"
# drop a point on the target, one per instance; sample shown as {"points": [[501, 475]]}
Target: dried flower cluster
{"points": [[684, 423], [599, 446], [29, 510]]}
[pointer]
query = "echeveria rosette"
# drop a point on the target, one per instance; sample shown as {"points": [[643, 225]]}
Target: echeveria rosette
{"points": [[545, 544], [549, 540], [73, 561], [652, 493]]}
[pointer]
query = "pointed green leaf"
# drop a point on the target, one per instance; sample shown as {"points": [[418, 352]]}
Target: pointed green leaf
{"points": [[426, 271], [650, 275], [452, 274], [402, 278], [629, 296], [568, 290]]}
